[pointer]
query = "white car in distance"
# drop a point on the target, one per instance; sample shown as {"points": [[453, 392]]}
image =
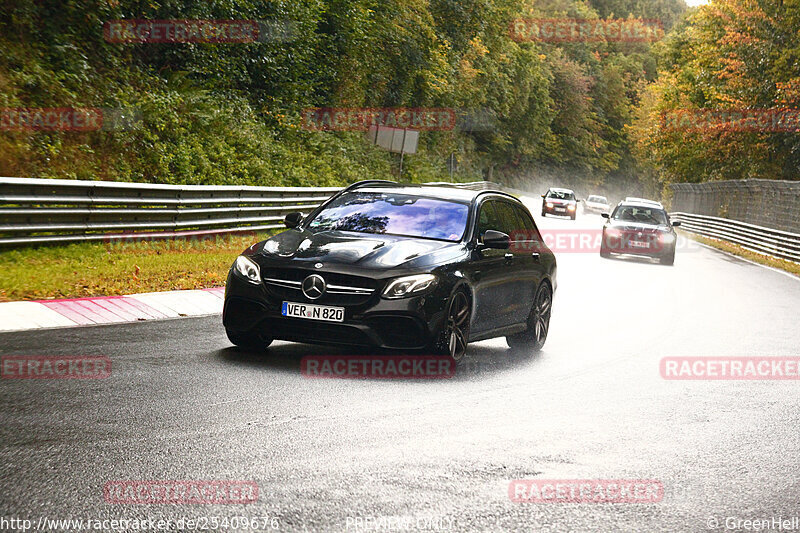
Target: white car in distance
{"points": [[596, 204]]}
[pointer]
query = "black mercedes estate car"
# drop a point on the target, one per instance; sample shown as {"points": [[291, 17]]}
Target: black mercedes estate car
{"points": [[402, 267]]}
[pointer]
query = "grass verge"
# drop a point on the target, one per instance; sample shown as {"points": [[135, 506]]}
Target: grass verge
{"points": [[110, 269], [762, 259]]}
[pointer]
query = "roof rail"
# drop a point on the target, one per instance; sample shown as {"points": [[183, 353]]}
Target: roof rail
{"points": [[364, 183], [641, 200], [497, 191]]}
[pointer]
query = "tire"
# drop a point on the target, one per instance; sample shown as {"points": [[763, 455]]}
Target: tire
{"points": [[248, 341], [544, 214], [454, 337], [538, 322], [668, 259], [574, 215]]}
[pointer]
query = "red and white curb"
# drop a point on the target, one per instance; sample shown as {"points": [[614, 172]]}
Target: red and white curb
{"points": [[18, 316]]}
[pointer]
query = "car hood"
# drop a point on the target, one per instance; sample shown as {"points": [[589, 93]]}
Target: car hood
{"points": [[556, 201], [636, 226], [367, 251]]}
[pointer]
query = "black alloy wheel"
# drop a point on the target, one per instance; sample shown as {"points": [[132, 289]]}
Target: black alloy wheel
{"points": [[538, 322], [456, 331]]}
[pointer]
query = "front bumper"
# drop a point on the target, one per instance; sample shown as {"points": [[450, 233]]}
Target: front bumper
{"points": [[558, 210], [623, 245], [406, 323]]}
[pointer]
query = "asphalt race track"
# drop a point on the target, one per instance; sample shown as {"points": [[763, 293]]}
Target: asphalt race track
{"points": [[182, 404]]}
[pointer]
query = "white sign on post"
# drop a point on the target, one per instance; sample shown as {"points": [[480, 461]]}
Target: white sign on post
{"points": [[401, 141]]}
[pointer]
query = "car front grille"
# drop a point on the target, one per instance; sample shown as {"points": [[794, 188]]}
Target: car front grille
{"points": [[341, 289]]}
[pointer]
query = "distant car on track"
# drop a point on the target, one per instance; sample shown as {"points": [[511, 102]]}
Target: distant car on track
{"points": [[596, 204], [394, 266], [557, 201], [639, 227]]}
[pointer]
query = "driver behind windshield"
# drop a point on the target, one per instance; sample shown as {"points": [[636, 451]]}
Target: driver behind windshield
{"points": [[642, 215], [561, 195]]}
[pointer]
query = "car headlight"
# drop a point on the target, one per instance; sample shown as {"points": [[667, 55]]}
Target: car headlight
{"points": [[549, 204], [409, 285], [571, 207], [248, 269], [668, 238]]}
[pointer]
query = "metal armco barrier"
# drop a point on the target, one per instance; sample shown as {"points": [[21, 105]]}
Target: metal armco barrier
{"points": [[50, 211], [768, 241]]}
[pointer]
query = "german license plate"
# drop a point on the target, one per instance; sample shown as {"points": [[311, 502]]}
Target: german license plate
{"points": [[561, 209], [639, 244], [313, 312]]}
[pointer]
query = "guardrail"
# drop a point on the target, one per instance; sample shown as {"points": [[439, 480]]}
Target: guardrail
{"points": [[759, 239], [48, 211]]}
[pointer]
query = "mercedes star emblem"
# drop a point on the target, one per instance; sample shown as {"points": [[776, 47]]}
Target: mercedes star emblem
{"points": [[313, 286], [318, 265]]}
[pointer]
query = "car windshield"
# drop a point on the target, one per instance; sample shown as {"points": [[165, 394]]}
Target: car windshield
{"points": [[641, 215], [598, 199], [394, 214], [561, 195]]}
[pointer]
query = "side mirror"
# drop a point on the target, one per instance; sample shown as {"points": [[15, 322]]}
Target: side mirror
{"points": [[544, 195], [676, 223], [496, 239], [292, 220], [605, 215]]}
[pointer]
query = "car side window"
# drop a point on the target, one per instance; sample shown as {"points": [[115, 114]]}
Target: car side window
{"points": [[528, 226], [526, 223], [488, 219], [508, 219]]}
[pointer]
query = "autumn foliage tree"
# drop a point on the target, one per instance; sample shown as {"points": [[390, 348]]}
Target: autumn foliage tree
{"points": [[231, 113], [729, 55]]}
